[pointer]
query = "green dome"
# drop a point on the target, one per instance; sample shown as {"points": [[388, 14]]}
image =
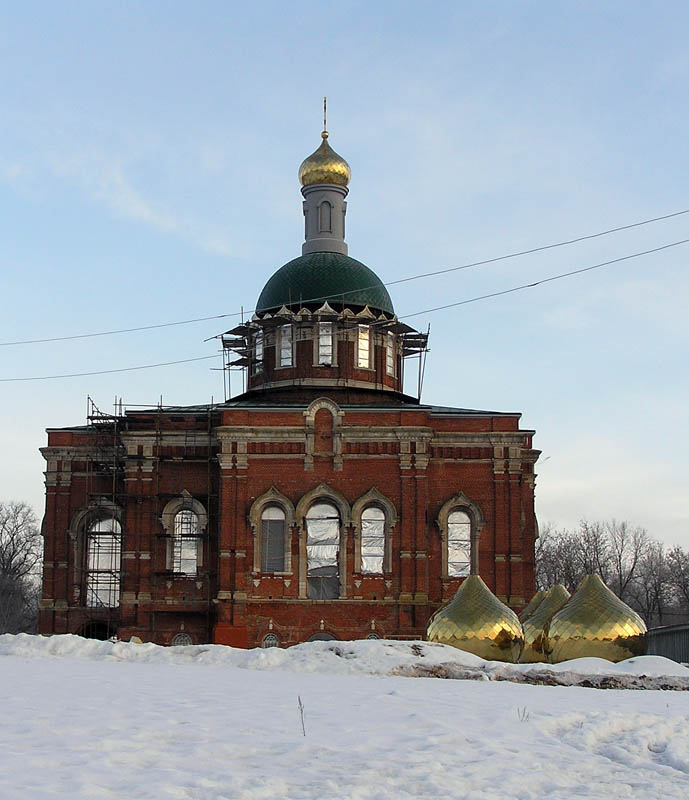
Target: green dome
{"points": [[316, 277]]}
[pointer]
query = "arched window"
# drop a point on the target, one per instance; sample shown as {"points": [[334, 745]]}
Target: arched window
{"points": [[322, 551], [374, 517], [325, 217], [372, 636], [372, 540], [270, 640], [103, 555], [182, 640], [186, 543], [458, 544], [271, 517], [273, 539], [460, 522], [321, 637]]}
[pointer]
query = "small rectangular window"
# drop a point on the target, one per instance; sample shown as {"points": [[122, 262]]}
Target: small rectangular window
{"points": [[285, 345], [363, 359], [390, 354], [325, 343], [258, 352]]}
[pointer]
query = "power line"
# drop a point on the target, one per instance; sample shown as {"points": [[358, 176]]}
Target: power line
{"points": [[523, 286], [546, 280], [505, 257], [105, 371]]}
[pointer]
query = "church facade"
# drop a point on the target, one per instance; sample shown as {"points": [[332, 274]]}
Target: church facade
{"points": [[321, 502]]}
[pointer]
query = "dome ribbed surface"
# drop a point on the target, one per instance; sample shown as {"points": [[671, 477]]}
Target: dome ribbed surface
{"points": [[595, 623], [476, 621], [324, 166], [532, 605], [316, 277], [535, 623]]}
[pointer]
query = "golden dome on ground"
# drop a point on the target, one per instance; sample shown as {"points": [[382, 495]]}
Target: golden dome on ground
{"points": [[324, 166], [532, 605], [477, 622], [595, 623], [553, 601]]}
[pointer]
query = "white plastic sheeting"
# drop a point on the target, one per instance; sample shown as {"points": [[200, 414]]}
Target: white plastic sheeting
{"points": [[458, 544], [372, 540], [322, 551]]}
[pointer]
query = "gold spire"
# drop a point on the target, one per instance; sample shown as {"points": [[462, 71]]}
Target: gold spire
{"points": [[324, 165]]}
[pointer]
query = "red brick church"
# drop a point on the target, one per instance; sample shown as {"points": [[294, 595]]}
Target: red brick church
{"points": [[320, 503]]}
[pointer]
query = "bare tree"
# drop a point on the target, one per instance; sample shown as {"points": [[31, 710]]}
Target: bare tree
{"points": [[651, 593], [628, 547], [678, 566], [635, 566], [20, 555], [594, 549]]}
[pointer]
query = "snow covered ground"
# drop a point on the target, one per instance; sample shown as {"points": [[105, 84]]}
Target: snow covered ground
{"points": [[86, 719]]}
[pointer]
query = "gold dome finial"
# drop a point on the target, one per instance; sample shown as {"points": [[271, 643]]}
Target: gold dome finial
{"points": [[324, 165]]}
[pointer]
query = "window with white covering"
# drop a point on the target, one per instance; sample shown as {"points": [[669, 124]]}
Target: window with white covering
{"points": [[285, 345], [458, 544], [372, 540], [325, 343], [323, 551], [363, 347]]}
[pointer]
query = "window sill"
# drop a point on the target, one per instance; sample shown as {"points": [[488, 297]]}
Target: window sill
{"points": [[273, 574]]}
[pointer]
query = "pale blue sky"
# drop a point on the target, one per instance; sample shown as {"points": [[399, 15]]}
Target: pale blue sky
{"points": [[148, 160]]}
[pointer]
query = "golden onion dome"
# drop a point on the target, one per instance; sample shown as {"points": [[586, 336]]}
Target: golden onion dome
{"points": [[553, 601], [595, 623], [477, 622], [324, 166], [532, 605]]}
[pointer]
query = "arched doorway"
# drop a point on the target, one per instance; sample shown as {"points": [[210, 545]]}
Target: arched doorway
{"points": [[98, 630]]}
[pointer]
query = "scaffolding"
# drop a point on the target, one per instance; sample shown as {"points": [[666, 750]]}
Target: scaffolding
{"points": [[108, 551], [98, 558], [241, 355]]}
